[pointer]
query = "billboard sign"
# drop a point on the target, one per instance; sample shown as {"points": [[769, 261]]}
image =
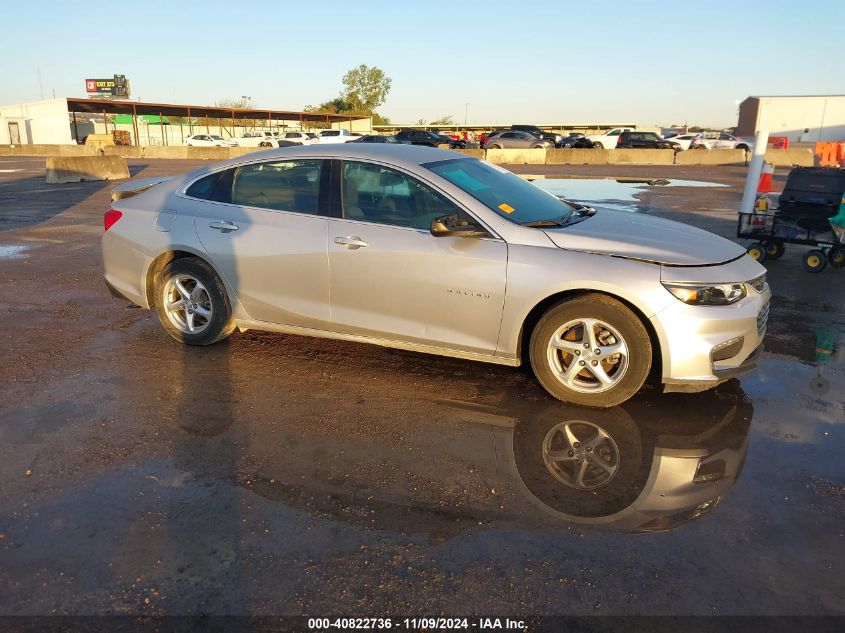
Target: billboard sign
{"points": [[117, 86]]}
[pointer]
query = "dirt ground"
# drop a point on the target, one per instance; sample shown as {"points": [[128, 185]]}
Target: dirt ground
{"points": [[275, 474]]}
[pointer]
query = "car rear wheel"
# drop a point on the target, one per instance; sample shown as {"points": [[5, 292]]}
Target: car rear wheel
{"points": [[598, 146], [192, 304], [591, 350], [494, 146]]}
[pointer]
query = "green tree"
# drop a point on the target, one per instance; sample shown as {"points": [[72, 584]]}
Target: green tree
{"points": [[444, 120], [365, 88]]}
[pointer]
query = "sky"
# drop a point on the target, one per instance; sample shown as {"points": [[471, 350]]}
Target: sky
{"points": [[531, 61]]}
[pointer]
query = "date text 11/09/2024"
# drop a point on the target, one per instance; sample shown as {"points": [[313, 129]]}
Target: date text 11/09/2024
{"points": [[416, 624]]}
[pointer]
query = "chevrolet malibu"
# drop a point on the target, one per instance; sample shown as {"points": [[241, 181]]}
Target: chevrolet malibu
{"points": [[427, 250]]}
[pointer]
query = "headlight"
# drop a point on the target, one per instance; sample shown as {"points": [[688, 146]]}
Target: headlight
{"points": [[707, 294]]}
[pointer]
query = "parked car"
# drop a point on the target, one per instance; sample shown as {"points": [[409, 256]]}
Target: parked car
{"points": [[375, 138], [299, 138], [608, 140], [258, 139], [512, 139], [683, 140], [576, 140], [645, 140], [209, 140], [427, 138], [420, 249], [337, 136], [721, 140], [554, 139]]}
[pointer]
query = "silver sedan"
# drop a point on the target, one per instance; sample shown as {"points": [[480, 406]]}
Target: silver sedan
{"points": [[428, 250], [513, 139]]}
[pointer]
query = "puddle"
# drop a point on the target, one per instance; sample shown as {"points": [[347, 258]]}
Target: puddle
{"points": [[13, 251], [612, 193]]}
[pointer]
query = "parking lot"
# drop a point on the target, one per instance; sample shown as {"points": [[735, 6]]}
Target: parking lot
{"points": [[275, 474]]}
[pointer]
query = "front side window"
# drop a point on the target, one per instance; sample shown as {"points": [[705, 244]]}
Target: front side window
{"points": [[373, 193], [283, 186]]}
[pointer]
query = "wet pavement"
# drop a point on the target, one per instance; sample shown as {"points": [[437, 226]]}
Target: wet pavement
{"points": [[275, 474]]}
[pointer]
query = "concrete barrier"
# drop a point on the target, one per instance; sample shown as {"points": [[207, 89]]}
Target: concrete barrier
{"points": [[576, 156], [790, 157], [126, 151], [160, 151], [208, 153], [641, 157], [517, 156], [78, 168], [711, 157], [99, 140], [475, 153], [234, 152]]}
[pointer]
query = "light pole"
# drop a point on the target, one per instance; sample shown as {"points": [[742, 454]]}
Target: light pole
{"points": [[466, 110]]}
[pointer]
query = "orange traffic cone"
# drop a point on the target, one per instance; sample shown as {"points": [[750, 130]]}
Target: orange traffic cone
{"points": [[765, 185]]}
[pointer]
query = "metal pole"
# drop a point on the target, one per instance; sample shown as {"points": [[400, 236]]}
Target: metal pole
{"points": [[75, 128], [754, 171], [190, 123], [137, 140], [161, 125]]}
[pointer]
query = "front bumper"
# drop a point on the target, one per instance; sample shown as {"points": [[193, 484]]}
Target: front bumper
{"points": [[691, 336]]}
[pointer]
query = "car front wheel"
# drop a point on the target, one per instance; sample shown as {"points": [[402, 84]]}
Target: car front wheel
{"points": [[591, 351], [192, 304], [598, 146]]}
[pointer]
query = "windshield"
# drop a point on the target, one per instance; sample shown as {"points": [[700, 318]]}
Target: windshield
{"points": [[502, 191]]}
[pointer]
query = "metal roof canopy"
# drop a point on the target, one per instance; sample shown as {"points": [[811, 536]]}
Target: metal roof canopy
{"points": [[110, 106]]}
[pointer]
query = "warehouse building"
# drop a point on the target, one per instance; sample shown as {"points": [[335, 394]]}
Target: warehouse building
{"points": [[66, 121], [802, 118]]}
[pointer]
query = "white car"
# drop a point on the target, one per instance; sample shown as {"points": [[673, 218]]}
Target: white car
{"points": [[337, 136], [300, 138], [608, 140], [721, 140], [209, 140], [684, 140], [259, 139]]}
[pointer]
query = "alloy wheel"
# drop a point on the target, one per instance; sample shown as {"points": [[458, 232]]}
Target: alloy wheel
{"points": [[580, 455], [588, 355], [187, 304]]}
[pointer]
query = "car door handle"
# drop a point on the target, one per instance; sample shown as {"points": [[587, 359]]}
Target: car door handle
{"points": [[351, 242], [224, 225]]}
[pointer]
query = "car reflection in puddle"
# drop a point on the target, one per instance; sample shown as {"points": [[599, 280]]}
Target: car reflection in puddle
{"points": [[651, 465], [612, 193]]}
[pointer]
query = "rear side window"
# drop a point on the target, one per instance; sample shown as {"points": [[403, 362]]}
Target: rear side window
{"points": [[217, 187], [281, 186]]}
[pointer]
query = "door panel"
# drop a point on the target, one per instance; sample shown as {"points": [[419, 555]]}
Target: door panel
{"points": [[276, 262], [408, 285], [269, 244]]}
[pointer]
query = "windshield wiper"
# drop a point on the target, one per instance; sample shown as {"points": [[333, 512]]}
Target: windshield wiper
{"points": [[544, 223]]}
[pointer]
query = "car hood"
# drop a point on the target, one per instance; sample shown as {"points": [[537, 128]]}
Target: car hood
{"points": [[645, 238]]}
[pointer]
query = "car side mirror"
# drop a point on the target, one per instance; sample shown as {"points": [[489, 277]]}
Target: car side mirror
{"points": [[455, 226]]}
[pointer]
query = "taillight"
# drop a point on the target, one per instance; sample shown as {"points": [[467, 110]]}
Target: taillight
{"points": [[619, 140], [110, 217]]}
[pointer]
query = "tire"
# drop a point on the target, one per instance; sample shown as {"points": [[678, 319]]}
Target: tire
{"points": [[814, 261], [836, 257], [701, 147], [744, 148], [775, 250], [541, 452], [494, 146], [578, 333], [210, 315], [597, 145], [757, 251]]}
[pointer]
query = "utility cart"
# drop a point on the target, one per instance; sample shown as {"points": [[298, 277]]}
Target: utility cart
{"points": [[806, 213]]}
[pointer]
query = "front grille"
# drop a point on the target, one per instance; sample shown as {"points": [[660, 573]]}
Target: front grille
{"points": [[762, 318]]}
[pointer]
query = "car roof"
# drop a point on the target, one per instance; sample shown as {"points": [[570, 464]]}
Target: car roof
{"points": [[407, 156]]}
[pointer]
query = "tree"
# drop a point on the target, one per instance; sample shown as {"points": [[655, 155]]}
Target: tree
{"points": [[365, 88], [444, 120]]}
